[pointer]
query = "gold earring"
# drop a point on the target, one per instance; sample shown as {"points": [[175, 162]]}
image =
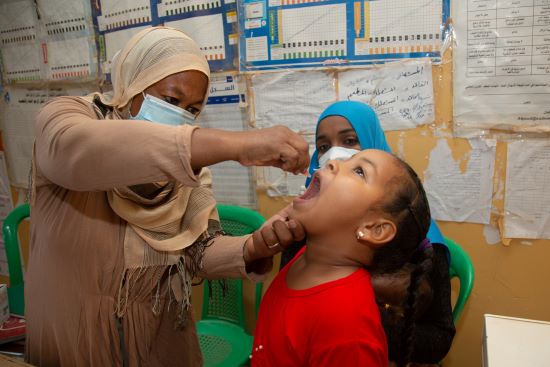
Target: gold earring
{"points": [[360, 235]]}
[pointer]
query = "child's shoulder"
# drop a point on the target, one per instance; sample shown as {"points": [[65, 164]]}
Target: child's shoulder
{"points": [[348, 293], [349, 306]]}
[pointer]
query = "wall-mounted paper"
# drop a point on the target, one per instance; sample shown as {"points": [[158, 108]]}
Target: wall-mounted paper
{"points": [[117, 21], [19, 109], [117, 14], [502, 65], [461, 191], [70, 59], [66, 18], [207, 32], [17, 22], [232, 183], [20, 47], [302, 33], [210, 23], [69, 42], [169, 8], [277, 182], [527, 198], [22, 62], [400, 92], [47, 40], [294, 99]]}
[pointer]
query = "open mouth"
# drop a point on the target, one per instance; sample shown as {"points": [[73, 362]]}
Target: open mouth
{"points": [[313, 189]]}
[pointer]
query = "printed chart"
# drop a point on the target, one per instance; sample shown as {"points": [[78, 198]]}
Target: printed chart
{"points": [[508, 38], [211, 23], [309, 33], [53, 41], [395, 26], [502, 72], [207, 31]]}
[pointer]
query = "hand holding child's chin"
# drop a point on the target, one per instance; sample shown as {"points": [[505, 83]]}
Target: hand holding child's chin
{"points": [[274, 236]]}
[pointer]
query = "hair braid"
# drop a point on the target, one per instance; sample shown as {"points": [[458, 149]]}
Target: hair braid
{"points": [[422, 260], [408, 206]]}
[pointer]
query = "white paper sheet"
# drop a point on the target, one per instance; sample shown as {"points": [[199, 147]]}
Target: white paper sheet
{"points": [[47, 40], [502, 64], [394, 25], [461, 195], [314, 33], [207, 32], [400, 92], [256, 49], [6, 206], [306, 25], [527, 198], [69, 39], [19, 109], [65, 17], [19, 44], [280, 183], [123, 13], [294, 99], [70, 59], [22, 62], [167, 7], [232, 183], [17, 21]]}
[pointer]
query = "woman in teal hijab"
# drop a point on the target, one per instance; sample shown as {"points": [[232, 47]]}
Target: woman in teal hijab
{"points": [[342, 129], [367, 127]]}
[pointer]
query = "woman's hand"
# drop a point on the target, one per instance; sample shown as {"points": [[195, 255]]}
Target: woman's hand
{"points": [[276, 234], [276, 146]]}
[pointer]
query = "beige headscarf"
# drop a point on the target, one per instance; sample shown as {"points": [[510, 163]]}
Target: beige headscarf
{"points": [[162, 225], [150, 56]]}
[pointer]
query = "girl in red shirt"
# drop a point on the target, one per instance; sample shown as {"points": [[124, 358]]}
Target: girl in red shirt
{"points": [[366, 214]]}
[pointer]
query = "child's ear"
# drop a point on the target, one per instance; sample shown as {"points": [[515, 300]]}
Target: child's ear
{"points": [[377, 232]]}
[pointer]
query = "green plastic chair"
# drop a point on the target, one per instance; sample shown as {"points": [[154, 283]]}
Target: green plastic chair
{"points": [[16, 290], [461, 266], [222, 329]]}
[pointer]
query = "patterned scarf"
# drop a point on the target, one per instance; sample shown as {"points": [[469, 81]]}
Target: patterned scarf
{"points": [[168, 224], [168, 228]]}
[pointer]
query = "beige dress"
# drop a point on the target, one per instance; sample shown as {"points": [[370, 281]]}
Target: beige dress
{"points": [[76, 255]]}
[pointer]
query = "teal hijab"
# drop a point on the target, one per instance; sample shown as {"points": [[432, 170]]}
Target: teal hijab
{"points": [[365, 122]]}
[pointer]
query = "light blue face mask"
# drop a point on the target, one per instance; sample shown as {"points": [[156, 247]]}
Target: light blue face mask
{"points": [[339, 153], [156, 110]]}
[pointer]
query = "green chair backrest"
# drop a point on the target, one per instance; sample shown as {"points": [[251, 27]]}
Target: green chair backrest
{"points": [[223, 300], [461, 266], [16, 290]]}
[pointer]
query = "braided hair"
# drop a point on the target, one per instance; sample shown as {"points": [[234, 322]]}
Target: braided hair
{"points": [[408, 207]]}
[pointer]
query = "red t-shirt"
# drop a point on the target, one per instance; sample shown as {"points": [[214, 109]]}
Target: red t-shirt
{"points": [[332, 324]]}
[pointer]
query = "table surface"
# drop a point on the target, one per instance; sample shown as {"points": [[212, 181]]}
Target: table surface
{"points": [[510, 341], [6, 361]]}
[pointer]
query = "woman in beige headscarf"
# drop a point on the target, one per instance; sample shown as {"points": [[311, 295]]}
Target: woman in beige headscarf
{"points": [[123, 215]]}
